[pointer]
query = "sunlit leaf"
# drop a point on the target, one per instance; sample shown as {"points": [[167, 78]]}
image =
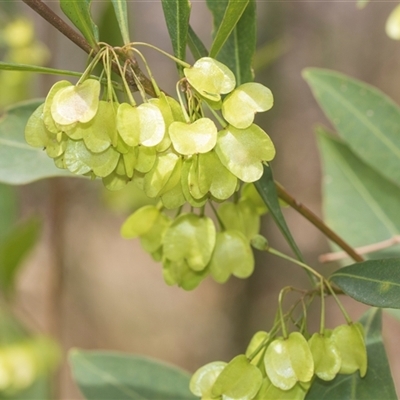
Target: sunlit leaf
{"points": [[238, 51], [176, 14], [233, 12], [78, 11], [121, 13], [373, 282]]}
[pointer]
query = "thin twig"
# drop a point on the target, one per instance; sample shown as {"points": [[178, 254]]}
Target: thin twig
{"points": [[370, 248], [317, 222], [45, 12]]}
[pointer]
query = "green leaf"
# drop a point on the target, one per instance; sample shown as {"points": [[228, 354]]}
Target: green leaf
{"points": [[233, 12], [78, 11], [7, 66], [8, 209], [14, 249], [176, 14], [196, 46], [358, 202], [373, 282], [364, 117], [377, 383], [266, 188], [19, 162], [121, 13], [107, 375], [239, 48]]}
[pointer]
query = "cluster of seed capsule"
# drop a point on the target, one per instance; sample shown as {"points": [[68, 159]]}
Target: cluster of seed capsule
{"points": [[283, 368], [170, 149], [191, 246]]}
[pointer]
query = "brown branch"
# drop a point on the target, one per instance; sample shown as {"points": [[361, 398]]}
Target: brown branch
{"points": [[317, 222], [45, 12]]}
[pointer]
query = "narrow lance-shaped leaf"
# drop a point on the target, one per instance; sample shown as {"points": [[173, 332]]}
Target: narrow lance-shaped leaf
{"points": [[176, 14], [233, 13], [19, 162], [377, 383], [373, 282], [365, 118], [78, 11], [196, 46], [106, 375], [266, 187], [121, 13], [6, 66], [238, 51], [358, 203]]}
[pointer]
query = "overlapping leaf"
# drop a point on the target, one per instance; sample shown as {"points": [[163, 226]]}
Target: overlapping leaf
{"points": [[365, 118], [19, 162], [238, 50], [78, 11], [359, 203], [106, 375], [373, 282]]}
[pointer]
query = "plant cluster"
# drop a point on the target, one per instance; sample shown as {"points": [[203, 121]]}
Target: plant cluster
{"points": [[201, 154]]}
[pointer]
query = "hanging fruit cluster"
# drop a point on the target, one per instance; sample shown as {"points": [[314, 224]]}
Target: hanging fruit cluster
{"points": [[191, 247], [174, 152], [283, 367], [170, 149]]}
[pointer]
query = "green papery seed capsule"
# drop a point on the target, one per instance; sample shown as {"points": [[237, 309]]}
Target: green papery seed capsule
{"points": [[146, 158], [393, 24], [197, 137], [97, 133], [210, 78], [242, 151], [239, 380], [327, 360], [140, 222], [76, 103], [213, 177], [115, 181], [258, 339], [185, 185], [191, 238], [240, 217], [288, 361], [268, 391], [130, 160], [250, 194], [179, 273], [47, 117], [240, 106], [56, 145], [162, 172], [80, 160], [36, 133], [151, 240], [173, 198], [232, 255], [204, 378], [350, 342]]}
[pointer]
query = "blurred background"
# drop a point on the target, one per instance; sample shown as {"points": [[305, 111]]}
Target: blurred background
{"points": [[89, 288]]}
